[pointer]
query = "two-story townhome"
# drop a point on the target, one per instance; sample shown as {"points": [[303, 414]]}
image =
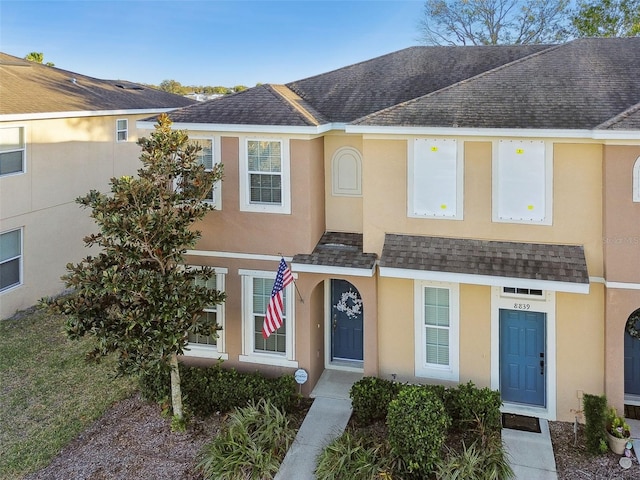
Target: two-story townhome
{"points": [[61, 134], [450, 214]]}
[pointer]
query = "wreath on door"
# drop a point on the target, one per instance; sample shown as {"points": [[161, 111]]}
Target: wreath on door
{"points": [[633, 324], [350, 304]]}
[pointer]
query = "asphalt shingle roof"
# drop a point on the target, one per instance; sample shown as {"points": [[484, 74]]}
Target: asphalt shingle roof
{"points": [[558, 263], [578, 85], [338, 249], [28, 87]]}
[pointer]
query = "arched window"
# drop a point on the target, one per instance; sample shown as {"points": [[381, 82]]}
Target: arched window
{"points": [[636, 181]]}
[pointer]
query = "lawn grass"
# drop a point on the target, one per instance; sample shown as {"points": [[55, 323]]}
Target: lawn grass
{"points": [[48, 393]]}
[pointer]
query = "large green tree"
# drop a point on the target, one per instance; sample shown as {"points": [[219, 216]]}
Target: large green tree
{"points": [[493, 22], [607, 18], [135, 297]]}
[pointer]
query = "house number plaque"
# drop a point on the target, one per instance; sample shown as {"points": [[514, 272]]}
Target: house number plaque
{"points": [[522, 306]]}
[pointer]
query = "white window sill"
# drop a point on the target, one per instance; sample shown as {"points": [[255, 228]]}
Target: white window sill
{"points": [[438, 374], [202, 351], [267, 359]]}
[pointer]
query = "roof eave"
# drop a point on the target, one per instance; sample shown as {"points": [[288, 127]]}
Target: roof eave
{"points": [[238, 128], [19, 117]]}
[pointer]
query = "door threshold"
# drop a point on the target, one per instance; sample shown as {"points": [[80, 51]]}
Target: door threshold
{"points": [[346, 365], [526, 410]]}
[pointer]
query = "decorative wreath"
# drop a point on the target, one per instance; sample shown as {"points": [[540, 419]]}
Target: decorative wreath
{"points": [[633, 324], [352, 310]]}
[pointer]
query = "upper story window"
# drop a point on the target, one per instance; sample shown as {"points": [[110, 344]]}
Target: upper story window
{"points": [[122, 130], [347, 172], [12, 150], [636, 181], [10, 259], [522, 182], [435, 179], [522, 291], [208, 158], [264, 176], [205, 345]]}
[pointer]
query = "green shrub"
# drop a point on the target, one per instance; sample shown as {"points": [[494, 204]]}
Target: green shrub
{"points": [[472, 407], [251, 444], [353, 457], [417, 422], [595, 415], [477, 462], [370, 398], [215, 389]]}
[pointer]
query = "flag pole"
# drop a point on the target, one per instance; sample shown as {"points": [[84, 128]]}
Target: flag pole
{"points": [[294, 283]]}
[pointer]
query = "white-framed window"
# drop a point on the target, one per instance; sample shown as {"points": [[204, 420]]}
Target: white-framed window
{"points": [[437, 325], [636, 180], [435, 179], [208, 156], [265, 176], [278, 348], [520, 292], [346, 172], [522, 182], [122, 130], [12, 151], [204, 345], [10, 259]]}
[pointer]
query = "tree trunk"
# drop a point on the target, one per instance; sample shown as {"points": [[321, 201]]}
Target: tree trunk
{"points": [[176, 392]]}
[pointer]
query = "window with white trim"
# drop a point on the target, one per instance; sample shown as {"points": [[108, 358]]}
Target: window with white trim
{"points": [[122, 130], [12, 151], [636, 180], [522, 190], [435, 179], [265, 176], [207, 158], [437, 330], [278, 348], [522, 291], [10, 259], [206, 345]]}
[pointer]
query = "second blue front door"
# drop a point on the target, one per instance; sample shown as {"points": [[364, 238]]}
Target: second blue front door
{"points": [[523, 362], [346, 322]]}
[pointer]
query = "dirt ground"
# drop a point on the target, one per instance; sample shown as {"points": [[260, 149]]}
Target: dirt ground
{"points": [[132, 441]]}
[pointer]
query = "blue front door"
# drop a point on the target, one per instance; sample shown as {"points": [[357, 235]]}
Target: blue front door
{"points": [[631, 365], [523, 357], [346, 322]]}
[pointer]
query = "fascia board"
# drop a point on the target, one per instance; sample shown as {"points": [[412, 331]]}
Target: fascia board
{"points": [[232, 128], [471, 279], [330, 270], [16, 117]]}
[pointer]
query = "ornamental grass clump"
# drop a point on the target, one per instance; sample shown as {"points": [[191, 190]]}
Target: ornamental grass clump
{"points": [[251, 445]]}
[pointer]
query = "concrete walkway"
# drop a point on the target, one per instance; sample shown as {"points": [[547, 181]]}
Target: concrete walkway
{"points": [[530, 454], [326, 420]]}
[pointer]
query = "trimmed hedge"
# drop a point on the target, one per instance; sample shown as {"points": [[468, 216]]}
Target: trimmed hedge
{"points": [[206, 390], [370, 398]]}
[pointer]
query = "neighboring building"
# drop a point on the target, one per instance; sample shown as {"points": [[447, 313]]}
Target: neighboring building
{"points": [[450, 214], [61, 134]]}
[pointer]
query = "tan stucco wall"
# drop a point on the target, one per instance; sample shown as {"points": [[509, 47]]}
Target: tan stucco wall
{"points": [[65, 158], [232, 230]]}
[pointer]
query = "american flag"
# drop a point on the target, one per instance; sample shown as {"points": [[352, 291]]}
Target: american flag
{"points": [[273, 318]]}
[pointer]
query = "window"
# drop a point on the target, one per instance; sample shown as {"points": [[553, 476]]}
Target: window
{"points": [[264, 177], [10, 259], [436, 336], [347, 172], [12, 150], [278, 349], [522, 291], [204, 345], [435, 179], [636, 181], [522, 182], [207, 158], [122, 130]]}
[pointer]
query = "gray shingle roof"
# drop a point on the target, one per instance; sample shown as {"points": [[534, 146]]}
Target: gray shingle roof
{"points": [[262, 105], [555, 263], [354, 91], [578, 85], [27, 87], [337, 249]]}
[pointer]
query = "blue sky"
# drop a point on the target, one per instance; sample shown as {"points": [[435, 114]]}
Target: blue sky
{"points": [[214, 42]]}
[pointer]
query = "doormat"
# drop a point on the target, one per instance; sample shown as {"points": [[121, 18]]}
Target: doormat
{"points": [[520, 422], [632, 412]]}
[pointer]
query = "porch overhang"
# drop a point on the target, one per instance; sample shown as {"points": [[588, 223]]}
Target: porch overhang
{"points": [[560, 268], [337, 253]]}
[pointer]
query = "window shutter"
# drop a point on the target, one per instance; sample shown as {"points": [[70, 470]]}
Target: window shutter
{"points": [[521, 180], [434, 178]]}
